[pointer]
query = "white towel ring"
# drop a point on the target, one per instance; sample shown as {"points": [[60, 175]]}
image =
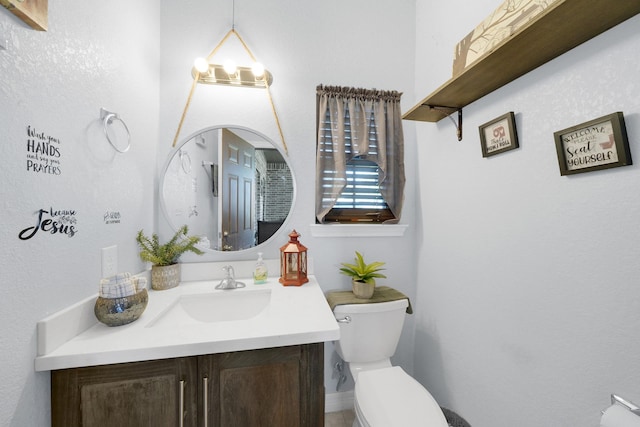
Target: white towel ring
{"points": [[107, 119]]}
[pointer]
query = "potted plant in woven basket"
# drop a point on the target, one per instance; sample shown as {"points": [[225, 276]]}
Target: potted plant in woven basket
{"points": [[165, 272], [363, 276]]}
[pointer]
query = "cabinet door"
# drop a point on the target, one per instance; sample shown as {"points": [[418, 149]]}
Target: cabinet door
{"points": [[268, 387], [154, 394]]}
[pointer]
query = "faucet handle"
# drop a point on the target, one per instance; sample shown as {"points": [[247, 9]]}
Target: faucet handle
{"points": [[230, 272], [229, 282]]}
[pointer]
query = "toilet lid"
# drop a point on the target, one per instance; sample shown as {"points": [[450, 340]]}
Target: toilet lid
{"points": [[389, 397]]}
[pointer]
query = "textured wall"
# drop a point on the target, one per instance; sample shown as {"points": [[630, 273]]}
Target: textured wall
{"points": [[55, 158], [528, 280]]}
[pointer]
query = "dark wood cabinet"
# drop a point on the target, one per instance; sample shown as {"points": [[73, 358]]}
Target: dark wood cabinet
{"points": [[129, 394], [267, 387]]}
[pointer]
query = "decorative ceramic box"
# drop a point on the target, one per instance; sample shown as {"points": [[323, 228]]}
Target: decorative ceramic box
{"points": [[509, 18]]}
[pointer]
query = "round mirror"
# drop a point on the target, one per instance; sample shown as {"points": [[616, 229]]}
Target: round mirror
{"points": [[230, 185]]}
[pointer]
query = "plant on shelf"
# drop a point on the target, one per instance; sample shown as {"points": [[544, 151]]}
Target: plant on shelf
{"points": [[363, 275], [165, 272]]}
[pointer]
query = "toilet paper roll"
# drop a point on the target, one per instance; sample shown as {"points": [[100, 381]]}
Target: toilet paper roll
{"points": [[618, 416]]}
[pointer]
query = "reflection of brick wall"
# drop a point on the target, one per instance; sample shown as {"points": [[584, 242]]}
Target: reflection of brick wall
{"points": [[261, 174], [279, 192]]}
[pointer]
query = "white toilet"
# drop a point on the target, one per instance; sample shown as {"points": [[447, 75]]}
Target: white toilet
{"points": [[385, 395]]}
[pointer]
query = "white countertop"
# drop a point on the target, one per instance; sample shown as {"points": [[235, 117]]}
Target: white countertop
{"points": [[295, 315]]}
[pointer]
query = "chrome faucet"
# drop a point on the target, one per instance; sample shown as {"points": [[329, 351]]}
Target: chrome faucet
{"points": [[229, 281]]}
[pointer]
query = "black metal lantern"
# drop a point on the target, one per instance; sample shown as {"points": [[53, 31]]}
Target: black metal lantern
{"points": [[293, 262]]}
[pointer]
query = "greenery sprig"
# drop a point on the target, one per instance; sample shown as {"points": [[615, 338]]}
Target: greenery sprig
{"points": [[152, 251]]}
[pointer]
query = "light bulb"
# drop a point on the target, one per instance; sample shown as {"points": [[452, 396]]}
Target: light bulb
{"points": [[230, 67], [257, 69], [202, 65]]}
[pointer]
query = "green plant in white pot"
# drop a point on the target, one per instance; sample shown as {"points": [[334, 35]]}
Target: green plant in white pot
{"points": [[363, 275], [165, 271]]}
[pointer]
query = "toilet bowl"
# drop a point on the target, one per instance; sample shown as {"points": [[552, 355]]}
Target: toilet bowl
{"points": [[390, 397], [385, 395]]}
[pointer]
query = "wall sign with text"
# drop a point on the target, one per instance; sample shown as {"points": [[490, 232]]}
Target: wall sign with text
{"points": [[499, 135], [111, 217], [43, 153], [594, 145], [55, 222]]}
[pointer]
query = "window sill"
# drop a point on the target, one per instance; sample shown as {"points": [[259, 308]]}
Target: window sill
{"points": [[358, 230]]}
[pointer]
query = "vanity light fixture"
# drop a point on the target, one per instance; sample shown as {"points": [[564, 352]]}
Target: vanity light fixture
{"points": [[206, 72], [230, 74]]}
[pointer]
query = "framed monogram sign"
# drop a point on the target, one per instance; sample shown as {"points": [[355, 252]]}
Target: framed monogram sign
{"points": [[499, 135]]}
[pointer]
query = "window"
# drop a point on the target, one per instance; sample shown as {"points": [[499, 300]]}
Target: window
{"points": [[360, 200], [359, 160]]}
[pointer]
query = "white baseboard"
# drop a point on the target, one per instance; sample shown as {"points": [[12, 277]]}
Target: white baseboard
{"points": [[335, 402]]}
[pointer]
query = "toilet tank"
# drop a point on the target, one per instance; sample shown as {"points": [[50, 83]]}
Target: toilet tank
{"points": [[373, 332]]}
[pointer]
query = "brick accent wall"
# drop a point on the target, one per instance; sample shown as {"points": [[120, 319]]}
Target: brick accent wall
{"points": [[278, 192]]}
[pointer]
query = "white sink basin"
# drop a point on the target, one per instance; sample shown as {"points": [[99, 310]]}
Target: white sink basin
{"points": [[211, 307], [282, 316]]}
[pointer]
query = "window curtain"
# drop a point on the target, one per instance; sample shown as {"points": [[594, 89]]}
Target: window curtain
{"points": [[358, 122]]}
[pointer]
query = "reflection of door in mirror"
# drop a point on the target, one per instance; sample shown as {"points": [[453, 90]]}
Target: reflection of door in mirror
{"points": [[193, 191], [238, 194]]}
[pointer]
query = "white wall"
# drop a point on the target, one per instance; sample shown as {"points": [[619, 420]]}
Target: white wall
{"points": [[107, 54], [528, 280], [95, 54], [356, 43], [525, 301]]}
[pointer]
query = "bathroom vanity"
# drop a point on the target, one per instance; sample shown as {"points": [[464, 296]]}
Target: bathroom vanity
{"points": [[276, 387], [255, 356]]}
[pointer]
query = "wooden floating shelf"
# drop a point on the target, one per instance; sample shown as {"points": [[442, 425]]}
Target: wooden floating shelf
{"points": [[560, 28]]}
